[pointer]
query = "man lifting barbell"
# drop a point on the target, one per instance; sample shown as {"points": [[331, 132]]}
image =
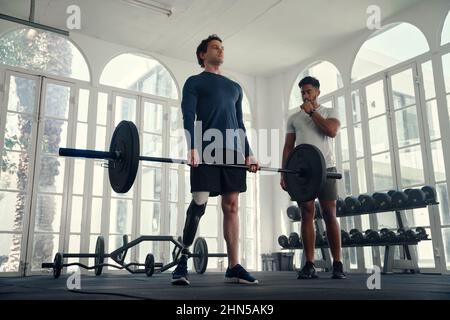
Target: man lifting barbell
{"points": [[316, 125], [213, 101]]}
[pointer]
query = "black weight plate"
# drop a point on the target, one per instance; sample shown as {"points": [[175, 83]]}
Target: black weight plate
{"points": [[100, 255], [149, 265], [200, 261], [309, 160], [122, 172], [57, 265]]}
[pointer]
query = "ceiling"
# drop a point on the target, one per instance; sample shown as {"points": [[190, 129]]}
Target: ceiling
{"points": [[260, 36]]}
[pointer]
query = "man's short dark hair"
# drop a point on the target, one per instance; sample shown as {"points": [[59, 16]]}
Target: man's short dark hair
{"points": [[309, 80], [203, 47]]}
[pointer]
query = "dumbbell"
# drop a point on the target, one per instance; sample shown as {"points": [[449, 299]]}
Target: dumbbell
{"points": [[411, 235], [401, 235], [399, 199], [341, 209], [417, 235], [382, 200], [430, 194], [356, 236], [422, 233], [368, 203], [391, 192], [345, 237], [387, 235], [294, 240], [293, 212], [416, 197], [283, 241], [352, 204], [372, 236]]}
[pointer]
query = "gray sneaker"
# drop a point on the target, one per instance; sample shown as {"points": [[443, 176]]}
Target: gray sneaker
{"points": [[338, 270], [308, 271]]}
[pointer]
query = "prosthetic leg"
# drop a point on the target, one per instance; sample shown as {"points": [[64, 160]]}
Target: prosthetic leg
{"points": [[193, 215]]}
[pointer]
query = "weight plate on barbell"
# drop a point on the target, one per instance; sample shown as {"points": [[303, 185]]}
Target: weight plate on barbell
{"points": [[99, 255], [122, 172], [149, 265], [57, 265], [201, 255], [309, 160]]}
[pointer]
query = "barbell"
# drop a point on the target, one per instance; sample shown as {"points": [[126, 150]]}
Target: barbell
{"points": [[200, 257], [305, 171]]}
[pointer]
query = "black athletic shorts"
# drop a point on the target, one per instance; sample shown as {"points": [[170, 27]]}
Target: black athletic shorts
{"points": [[218, 181]]}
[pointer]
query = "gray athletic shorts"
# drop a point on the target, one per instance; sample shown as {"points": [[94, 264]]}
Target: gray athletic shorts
{"points": [[329, 191]]}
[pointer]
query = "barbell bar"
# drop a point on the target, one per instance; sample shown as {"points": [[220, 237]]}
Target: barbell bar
{"points": [[305, 169], [117, 156]]}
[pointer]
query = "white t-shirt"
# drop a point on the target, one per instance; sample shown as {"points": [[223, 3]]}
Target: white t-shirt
{"points": [[307, 132]]}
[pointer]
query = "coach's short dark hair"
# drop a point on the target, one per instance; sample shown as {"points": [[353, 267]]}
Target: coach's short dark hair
{"points": [[203, 47], [309, 80]]}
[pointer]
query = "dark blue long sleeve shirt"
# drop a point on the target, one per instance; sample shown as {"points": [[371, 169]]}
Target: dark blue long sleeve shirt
{"points": [[216, 102]]}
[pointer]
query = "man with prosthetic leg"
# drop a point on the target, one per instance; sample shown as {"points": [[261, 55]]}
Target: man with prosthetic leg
{"points": [[213, 102]]}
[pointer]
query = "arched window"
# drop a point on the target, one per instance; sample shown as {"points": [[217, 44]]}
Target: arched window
{"points": [[445, 38], [388, 47], [139, 73], [44, 52], [61, 107], [328, 75]]}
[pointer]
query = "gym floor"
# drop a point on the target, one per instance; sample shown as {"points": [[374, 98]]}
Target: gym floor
{"points": [[210, 286]]}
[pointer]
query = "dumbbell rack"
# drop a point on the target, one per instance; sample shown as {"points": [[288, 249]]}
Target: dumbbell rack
{"points": [[397, 210], [409, 262]]}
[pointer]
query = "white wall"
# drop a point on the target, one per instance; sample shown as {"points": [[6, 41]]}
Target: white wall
{"points": [[273, 93]]}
